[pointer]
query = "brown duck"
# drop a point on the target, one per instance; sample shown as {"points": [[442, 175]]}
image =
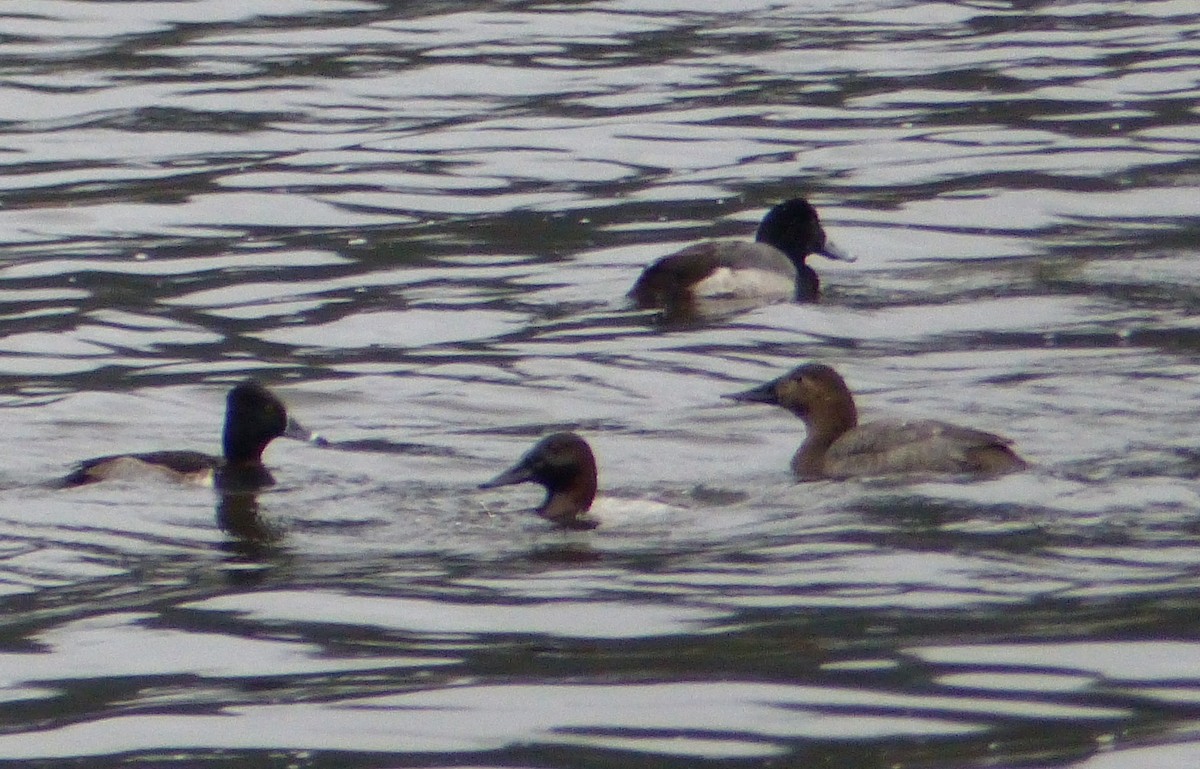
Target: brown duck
{"points": [[837, 446]]}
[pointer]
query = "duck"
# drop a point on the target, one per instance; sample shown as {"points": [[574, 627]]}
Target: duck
{"points": [[563, 463], [838, 447], [254, 417], [770, 269]]}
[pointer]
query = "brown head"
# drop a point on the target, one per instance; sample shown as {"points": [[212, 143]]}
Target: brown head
{"points": [[815, 393], [564, 465]]}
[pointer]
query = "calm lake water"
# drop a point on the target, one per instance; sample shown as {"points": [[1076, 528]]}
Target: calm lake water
{"points": [[417, 220]]}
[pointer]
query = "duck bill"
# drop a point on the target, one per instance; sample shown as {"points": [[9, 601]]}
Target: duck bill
{"points": [[764, 393], [831, 251], [299, 432], [519, 473]]}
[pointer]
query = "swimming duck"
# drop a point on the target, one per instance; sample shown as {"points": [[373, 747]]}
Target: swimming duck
{"points": [[771, 269], [564, 464], [253, 418], [837, 446]]}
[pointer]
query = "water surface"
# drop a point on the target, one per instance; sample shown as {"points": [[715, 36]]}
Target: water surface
{"points": [[417, 221]]}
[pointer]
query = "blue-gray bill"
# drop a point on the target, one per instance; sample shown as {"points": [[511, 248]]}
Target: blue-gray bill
{"points": [[299, 432]]}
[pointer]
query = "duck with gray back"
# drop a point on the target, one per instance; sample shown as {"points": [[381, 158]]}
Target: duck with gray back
{"points": [[837, 446], [770, 269]]}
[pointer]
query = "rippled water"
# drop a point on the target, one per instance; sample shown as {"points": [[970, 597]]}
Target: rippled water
{"points": [[417, 220]]}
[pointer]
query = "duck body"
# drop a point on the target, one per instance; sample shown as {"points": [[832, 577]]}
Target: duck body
{"points": [[563, 464], [254, 417], [721, 269], [770, 269], [890, 446], [837, 446], [186, 466]]}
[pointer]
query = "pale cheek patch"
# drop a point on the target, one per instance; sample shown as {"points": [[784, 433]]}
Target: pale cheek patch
{"points": [[745, 283]]}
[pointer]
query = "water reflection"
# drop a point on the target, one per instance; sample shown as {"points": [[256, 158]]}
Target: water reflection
{"points": [[420, 221], [251, 537]]}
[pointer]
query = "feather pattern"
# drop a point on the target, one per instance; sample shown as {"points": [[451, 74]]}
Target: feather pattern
{"points": [[837, 446], [770, 269]]}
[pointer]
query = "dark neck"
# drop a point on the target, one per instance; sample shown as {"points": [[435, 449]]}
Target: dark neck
{"points": [[808, 287], [234, 476], [241, 452], [566, 504]]}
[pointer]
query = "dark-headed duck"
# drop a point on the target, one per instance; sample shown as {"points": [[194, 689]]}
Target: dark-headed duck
{"points": [[771, 269], [253, 418], [837, 446], [564, 464]]}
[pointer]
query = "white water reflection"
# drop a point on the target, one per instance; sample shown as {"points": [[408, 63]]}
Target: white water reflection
{"points": [[557, 618]]}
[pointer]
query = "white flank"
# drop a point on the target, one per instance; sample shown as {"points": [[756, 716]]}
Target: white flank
{"points": [[745, 283]]}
